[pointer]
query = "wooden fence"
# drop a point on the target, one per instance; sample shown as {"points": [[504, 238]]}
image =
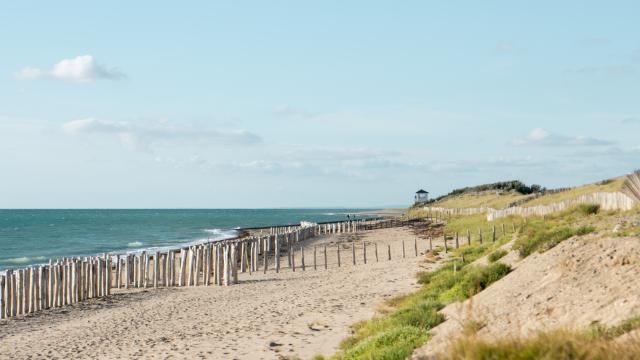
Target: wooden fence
{"points": [[606, 200], [71, 280]]}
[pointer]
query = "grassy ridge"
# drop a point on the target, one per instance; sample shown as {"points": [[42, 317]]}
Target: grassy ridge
{"points": [[397, 332]]}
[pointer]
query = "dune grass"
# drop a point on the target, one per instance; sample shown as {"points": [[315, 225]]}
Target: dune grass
{"points": [[497, 255], [484, 199], [612, 185], [543, 233], [595, 343]]}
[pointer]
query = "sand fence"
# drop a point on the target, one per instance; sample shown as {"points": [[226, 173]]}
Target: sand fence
{"points": [[72, 280]]}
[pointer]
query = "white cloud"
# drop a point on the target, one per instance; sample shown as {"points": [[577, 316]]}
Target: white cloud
{"points": [[608, 70], [631, 120], [542, 137], [29, 73], [289, 111], [141, 136], [504, 47], [81, 69]]}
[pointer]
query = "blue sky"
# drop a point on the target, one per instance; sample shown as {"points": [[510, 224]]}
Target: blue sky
{"points": [[292, 103]]}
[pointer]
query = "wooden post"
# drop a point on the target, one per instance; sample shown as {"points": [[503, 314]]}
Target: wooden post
{"points": [[446, 248], [127, 271], [314, 257], [364, 251], [430, 243], [353, 251], [375, 247], [389, 251], [277, 254], [302, 257], [11, 293], [457, 244], [503, 229], [183, 267], [480, 235], [293, 258], [494, 234], [325, 257], [266, 256], [338, 247], [234, 263], [468, 237], [415, 246], [226, 271], [513, 227], [117, 274], [3, 300], [403, 254]]}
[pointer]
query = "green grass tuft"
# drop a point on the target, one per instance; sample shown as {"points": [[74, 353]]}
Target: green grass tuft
{"points": [[588, 209], [497, 255]]}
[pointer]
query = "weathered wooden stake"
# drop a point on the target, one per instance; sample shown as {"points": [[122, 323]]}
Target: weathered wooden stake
{"points": [[446, 248], [325, 257], [389, 252], [375, 247], [353, 251], [364, 251], [457, 244]]}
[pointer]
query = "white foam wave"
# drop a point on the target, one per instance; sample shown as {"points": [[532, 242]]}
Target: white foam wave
{"points": [[134, 244]]}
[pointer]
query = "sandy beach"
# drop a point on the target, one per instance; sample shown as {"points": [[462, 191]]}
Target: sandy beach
{"points": [[266, 316]]}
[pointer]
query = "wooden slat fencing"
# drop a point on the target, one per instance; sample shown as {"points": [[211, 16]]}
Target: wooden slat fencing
{"points": [[71, 280]]}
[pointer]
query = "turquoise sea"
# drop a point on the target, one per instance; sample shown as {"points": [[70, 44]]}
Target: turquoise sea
{"points": [[35, 236]]}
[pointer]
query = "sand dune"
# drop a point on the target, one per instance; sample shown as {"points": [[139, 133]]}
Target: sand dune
{"points": [[581, 281]]}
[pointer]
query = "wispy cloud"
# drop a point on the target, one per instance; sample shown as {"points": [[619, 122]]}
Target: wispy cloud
{"points": [[505, 47], [81, 69], [606, 70], [631, 120], [145, 135], [290, 111], [542, 137]]}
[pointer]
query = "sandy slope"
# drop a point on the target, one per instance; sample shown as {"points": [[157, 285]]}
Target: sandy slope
{"points": [[580, 281], [301, 313]]}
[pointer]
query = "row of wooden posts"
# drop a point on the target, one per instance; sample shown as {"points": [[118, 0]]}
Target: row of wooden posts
{"points": [[71, 280], [456, 236]]}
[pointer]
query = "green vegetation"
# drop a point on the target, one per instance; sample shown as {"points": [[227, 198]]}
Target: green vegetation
{"points": [[514, 185], [543, 233], [488, 199], [598, 342], [397, 332], [612, 185], [588, 209], [598, 331], [497, 255]]}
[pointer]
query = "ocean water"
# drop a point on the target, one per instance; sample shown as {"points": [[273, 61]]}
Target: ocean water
{"points": [[34, 236]]}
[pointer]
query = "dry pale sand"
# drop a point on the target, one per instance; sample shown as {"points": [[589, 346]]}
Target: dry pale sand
{"points": [[579, 282], [265, 317]]}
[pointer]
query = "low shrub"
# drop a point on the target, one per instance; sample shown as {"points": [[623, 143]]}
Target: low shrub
{"points": [[588, 209], [585, 229], [542, 239], [497, 255]]}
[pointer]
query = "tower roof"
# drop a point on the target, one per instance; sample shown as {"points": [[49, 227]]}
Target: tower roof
{"points": [[421, 192]]}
